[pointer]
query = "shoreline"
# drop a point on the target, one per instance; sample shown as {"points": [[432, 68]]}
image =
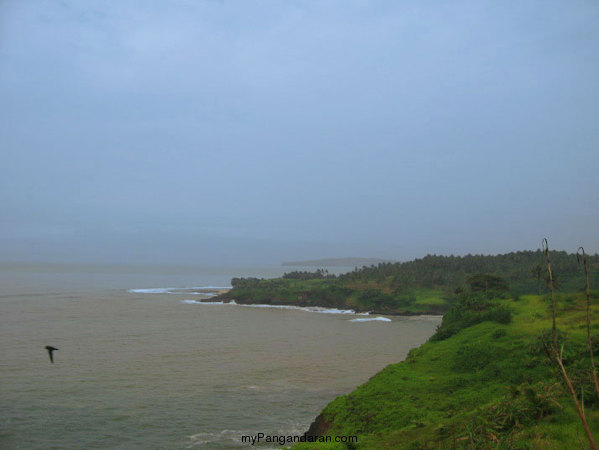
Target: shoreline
{"points": [[219, 294], [200, 290], [344, 309]]}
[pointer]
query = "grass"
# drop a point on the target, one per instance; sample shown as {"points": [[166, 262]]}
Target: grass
{"points": [[429, 297], [489, 385]]}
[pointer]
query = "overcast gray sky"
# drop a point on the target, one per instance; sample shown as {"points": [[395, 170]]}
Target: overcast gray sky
{"points": [[269, 130]]}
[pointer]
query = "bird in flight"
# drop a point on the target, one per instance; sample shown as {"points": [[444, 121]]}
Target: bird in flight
{"points": [[50, 350]]}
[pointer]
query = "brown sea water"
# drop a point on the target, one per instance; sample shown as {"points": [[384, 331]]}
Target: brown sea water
{"points": [[149, 371]]}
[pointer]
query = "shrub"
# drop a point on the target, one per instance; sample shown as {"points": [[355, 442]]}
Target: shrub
{"points": [[499, 333], [375, 299], [469, 310], [473, 357], [496, 424], [499, 314]]}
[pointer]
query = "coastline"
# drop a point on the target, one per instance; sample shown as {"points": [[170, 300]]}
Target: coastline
{"points": [[203, 290], [317, 308], [222, 297]]}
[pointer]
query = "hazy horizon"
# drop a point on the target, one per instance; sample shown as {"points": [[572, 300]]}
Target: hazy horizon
{"points": [[231, 133]]}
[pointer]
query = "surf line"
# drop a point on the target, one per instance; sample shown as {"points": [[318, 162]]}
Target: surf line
{"points": [[313, 309]]}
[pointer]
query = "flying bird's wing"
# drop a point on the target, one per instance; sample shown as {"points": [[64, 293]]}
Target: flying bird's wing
{"points": [[50, 351]]}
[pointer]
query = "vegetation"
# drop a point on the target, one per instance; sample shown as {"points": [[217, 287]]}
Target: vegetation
{"points": [[488, 384], [502, 371], [427, 285], [301, 275], [511, 365], [335, 262]]}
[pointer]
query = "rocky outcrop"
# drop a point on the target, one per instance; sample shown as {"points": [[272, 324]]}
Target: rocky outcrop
{"points": [[319, 427]]}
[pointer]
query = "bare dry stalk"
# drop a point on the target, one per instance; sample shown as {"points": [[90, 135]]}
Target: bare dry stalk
{"points": [[558, 354], [582, 257], [545, 245], [579, 410]]}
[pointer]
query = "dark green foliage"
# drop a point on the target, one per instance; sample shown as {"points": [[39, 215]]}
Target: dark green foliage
{"points": [[332, 296], [426, 285], [522, 270], [243, 283], [491, 285], [469, 310], [374, 298], [499, 333], [499, 314], [303, 275]]}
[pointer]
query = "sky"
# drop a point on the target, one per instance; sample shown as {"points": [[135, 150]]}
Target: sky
{"points": [[229, 132]]}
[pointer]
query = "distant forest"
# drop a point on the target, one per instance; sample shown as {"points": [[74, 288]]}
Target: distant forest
{"points": [[524, 271], [426, 285], [336, 262]]}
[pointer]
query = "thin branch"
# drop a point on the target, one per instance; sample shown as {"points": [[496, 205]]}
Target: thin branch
{"points": [[558, 354], [580, 411], [581, 256], [545, 245]]}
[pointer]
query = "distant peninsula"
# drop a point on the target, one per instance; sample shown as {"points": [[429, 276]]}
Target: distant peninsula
{"points": [[337, 262]]}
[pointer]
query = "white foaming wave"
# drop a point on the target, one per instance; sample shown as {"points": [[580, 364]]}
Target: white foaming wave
{"points": [[177, 290], [321, 310], [259, 305], [199, 439], [315, 309], [197, 302], [373, 319], [150, 291], [228, 438], [190, 302]]}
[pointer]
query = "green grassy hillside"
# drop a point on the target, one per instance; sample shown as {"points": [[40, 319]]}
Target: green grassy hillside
{"points": [[483, 381]]}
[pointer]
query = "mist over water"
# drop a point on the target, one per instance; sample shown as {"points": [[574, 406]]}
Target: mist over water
{"points": [[146, 370]]}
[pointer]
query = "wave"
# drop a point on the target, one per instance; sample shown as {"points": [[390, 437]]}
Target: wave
{"points": [[316, 309], [197, 302], [231, 438], [150, 291], [372, 319], [313, 309], [179, 290]]}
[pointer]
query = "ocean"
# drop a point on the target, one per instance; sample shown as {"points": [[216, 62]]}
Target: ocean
{"points": [[142, 365]]}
